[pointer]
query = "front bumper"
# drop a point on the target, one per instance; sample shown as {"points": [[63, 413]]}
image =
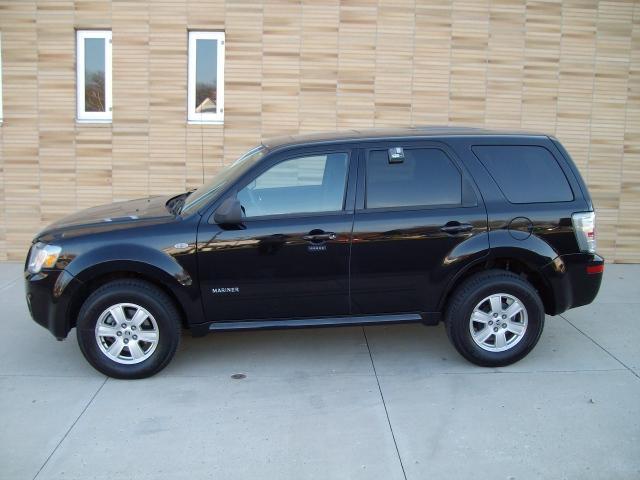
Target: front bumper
{"points": [[574, 280], [49, 295]]}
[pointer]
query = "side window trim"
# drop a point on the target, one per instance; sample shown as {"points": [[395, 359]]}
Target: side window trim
{"points": [[469, 198], [351, 156]]}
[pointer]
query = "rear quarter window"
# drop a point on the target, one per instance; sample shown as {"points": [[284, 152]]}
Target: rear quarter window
{"points": [[525, 173]]}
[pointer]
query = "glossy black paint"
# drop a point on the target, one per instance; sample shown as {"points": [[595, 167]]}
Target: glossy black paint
{"points": [[403, 258], [277, 272], [356, 266]]}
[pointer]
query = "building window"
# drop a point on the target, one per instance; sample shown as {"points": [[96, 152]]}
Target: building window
{"points": [[205, 98], [94, 75]]}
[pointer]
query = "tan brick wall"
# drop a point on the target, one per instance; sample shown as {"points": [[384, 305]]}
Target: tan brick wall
{"points": [[570, 68]]}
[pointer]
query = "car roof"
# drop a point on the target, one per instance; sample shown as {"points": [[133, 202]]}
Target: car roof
{"points": [[387, 133]]}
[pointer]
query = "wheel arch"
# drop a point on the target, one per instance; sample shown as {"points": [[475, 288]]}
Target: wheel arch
{"points": [[101, 279], [96, 268], [524, 264]]}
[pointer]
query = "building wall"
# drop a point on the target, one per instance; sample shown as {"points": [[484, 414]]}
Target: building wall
{"points": [[569, 68]]}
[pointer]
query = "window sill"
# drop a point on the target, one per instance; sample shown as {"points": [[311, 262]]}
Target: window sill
{"points": [[94, 120], [205, 122]]}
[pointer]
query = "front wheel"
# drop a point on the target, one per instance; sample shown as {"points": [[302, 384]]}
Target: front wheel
{"points": [[495, 318], [128, 329]]}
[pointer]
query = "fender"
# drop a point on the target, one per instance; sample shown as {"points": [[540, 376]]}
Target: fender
{"points": [[534, 252], [145, 261], [472, 251]]}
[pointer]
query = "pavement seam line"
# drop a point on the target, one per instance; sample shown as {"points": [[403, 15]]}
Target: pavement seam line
{"points": [[601, 347], [384, 404], [8, 285], [71, 428]]}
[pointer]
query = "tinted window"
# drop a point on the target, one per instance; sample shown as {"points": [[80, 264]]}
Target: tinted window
{"points": [[525, 174], [300, 185], [425, 177]]}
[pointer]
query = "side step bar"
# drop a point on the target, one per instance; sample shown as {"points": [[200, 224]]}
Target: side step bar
{"points": [[318, 322]]}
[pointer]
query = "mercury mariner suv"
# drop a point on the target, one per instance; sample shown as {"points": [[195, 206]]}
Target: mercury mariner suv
{"points": [[484, 231]]}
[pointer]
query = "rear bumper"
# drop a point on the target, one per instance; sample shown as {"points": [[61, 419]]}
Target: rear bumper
{"points": [[49, 295], [574, 280]]}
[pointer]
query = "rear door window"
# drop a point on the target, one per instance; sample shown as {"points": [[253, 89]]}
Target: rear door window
{"points": [[425, 177], [525, 173]]}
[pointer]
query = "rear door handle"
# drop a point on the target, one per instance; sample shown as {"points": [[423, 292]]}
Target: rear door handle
{"points": [[320, 237], [456, 227]]}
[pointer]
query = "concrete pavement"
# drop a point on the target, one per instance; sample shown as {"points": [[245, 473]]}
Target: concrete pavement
{"points": [[394, 402]]}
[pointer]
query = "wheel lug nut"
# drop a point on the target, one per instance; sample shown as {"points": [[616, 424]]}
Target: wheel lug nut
{"points": [[133, 327], [119, 334], [495, 315], [504, 325], [504, 317], [124, 325], [126, 340], [490, 322], [495, 330], [135, 337]]}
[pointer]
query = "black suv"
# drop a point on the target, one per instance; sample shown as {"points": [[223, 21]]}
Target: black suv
{"points": [[486, 231]]}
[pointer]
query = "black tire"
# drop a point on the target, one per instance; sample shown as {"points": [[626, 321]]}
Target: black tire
{"points": [[141, 293], [472, 291]]}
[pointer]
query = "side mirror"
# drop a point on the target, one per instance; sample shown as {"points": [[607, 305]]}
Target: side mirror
{"points": [[229, 212]]}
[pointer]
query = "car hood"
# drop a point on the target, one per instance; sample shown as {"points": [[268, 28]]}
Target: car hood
{"points": [[118, 213]]}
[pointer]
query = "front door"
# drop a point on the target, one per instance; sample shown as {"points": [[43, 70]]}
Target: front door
{"points": [[419, 219], [290, 257]]}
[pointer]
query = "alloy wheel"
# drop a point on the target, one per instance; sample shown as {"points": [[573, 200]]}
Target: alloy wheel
{"points": [[127, 333], [498, 322]]}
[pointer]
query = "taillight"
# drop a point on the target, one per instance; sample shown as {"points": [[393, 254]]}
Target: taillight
{"points": [[584, 226], [591, 269]]}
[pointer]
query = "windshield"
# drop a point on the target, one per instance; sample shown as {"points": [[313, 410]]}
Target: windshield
{"points": [[213, 187]]}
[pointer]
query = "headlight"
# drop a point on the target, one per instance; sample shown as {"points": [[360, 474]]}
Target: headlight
{"points": [[43, 256]]}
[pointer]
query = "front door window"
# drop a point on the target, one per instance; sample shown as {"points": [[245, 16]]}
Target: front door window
{"points": [[309, 184]]}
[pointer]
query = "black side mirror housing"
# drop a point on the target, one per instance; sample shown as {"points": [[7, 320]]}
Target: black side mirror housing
{"points": [[229, 212]]}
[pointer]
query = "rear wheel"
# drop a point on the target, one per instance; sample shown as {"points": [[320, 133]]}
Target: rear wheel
{"points": [[495, 318], [128, 329]]}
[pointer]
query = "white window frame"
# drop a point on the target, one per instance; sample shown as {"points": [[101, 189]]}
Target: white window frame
{"points": [[192, 115], [82, 115]]}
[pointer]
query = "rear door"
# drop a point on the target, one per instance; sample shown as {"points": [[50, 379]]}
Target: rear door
{"points": [[419, 219]]}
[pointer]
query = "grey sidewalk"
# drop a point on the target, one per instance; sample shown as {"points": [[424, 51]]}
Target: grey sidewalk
{"points": [[395, 403]]}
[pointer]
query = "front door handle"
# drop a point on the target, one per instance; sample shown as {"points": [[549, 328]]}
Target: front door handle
{"points": [[320, 236], [456, 227]]}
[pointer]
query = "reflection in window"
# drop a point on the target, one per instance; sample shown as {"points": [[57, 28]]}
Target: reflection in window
{"points": [[206, 74], [425, 177], [206, 66], [300, 185], [304, 171], [94, 86], [94, 75]]}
